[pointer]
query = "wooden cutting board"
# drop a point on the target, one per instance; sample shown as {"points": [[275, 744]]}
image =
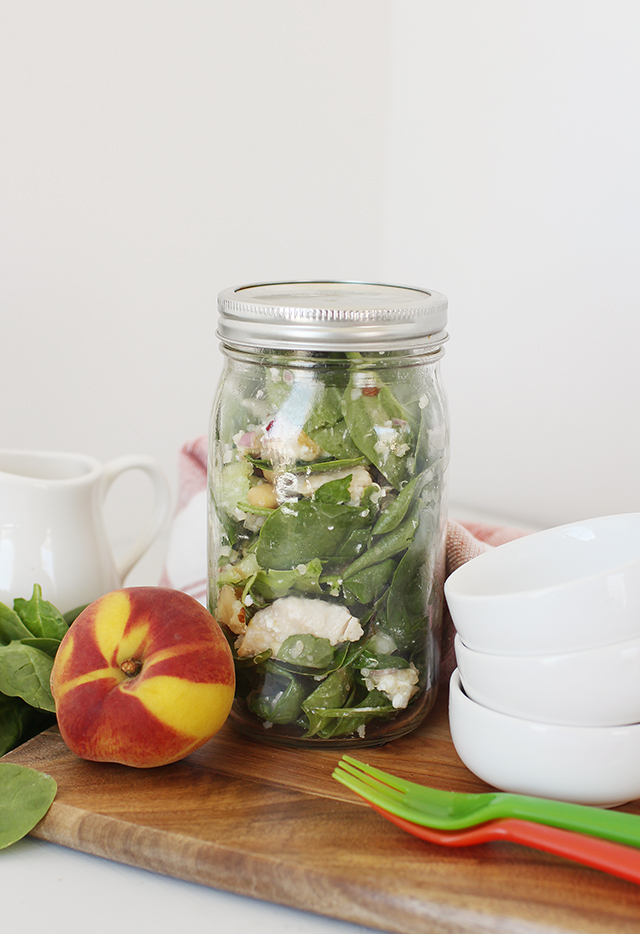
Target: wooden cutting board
{"points": [[272, 824]]}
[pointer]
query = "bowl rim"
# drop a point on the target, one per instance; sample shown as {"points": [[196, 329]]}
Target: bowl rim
{"points": [[517, 544], [536, 726], [579, 654]]}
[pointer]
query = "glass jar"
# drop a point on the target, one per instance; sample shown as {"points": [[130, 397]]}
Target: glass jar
{"points": [[327, 479]]}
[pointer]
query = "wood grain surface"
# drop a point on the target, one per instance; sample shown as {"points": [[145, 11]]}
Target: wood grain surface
{"points": [[272, 824]]}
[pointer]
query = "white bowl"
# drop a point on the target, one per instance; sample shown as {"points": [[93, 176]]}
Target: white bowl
{"points": [[587, 765], [565, 589], [596, 687]]}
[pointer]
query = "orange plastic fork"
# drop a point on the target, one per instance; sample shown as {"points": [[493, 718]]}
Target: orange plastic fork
{"points": [[614, 858]]}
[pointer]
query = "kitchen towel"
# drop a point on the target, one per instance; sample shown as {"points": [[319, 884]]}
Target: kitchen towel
{"points": [[186, 559]]}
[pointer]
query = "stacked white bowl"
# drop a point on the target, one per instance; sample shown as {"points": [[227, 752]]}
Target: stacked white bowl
{"points": [[546, 696]]}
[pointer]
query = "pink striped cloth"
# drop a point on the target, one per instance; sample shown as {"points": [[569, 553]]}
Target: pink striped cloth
{"points": [[186, 560]]}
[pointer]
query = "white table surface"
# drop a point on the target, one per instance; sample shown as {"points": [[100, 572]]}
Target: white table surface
{"points": [[46, 887]]}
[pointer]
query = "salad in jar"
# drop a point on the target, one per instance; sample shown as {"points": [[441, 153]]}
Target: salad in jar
{"points": [[326, 541]]}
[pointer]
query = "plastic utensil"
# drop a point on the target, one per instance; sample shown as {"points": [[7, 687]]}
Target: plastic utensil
{"points": [[451, 810], [613, 858]]}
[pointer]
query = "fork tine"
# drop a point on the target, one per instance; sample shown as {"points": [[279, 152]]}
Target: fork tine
{"points": [[393, 781], [370, 790]]}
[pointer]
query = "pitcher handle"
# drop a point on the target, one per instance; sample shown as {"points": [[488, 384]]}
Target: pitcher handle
{"points": [[162, 504]]}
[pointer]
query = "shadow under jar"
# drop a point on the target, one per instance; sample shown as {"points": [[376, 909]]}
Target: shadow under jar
{"points": [[327, 508]]}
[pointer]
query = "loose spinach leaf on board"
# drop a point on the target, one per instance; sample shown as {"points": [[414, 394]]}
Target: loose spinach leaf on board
{"points": [[25, 672], [40, 617], [25, 797]]}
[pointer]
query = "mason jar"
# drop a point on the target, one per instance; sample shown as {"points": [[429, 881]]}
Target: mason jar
{"points": [[327, 508]]}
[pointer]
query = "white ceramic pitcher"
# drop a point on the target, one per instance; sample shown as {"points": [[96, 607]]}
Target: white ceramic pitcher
{"points": [[52, 528]]}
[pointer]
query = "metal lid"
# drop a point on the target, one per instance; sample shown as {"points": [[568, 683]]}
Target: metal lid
{"points": [[331, 316]]}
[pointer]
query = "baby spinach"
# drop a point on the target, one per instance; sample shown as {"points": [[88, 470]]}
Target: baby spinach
{"points": [[25, 797], [281, 696], [11, 626], [367, 585], [330, 693], [334, 491], [306, 651], [40, 617], [380, 428], [272, 584], [343, 721], [30, 635], [337, 441], [300, 531], [387, 545], [15, 716], [25, 672], [369, 546]]}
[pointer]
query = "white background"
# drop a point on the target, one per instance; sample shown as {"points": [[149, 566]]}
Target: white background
{"points": [[154, 152]]}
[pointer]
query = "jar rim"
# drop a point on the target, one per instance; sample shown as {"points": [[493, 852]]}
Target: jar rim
{"points": [[331, 315]]}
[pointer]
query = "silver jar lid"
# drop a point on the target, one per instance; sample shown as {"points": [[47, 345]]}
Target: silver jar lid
{"points": [[331, 316]]}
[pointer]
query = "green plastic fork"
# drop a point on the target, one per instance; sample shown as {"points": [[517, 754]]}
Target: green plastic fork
{"points": [[452, 810]]}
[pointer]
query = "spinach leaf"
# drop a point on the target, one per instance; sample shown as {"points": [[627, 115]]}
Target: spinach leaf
{"points": [[25, 797], [369, 659], [281, 696], [354, 544], [336, 440], [380, 427], [395, 512], [306, 651], [11, 626], [40, 617], [298, 532], [334, 491], [245, 506], [349, 719], [276, 583], [324, 410], [369, 584], [406, 617], [326, 465], [48, 646], [25, 672], [330, 693], [15, 716], [387, 545]]}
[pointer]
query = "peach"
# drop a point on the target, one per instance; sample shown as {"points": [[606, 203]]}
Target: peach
{"points": [[143, 677]]}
